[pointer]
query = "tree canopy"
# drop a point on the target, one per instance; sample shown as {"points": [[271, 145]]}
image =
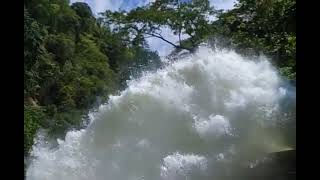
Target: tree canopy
{"points": [[266, 26], [182, 17], [72, 62]]}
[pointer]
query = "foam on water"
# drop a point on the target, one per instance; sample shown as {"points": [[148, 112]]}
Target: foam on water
{"points": [[177, 123], [215, 126], [176, 165]]}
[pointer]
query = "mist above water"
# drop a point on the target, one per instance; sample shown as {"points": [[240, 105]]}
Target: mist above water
{"points": [[198, 118]]}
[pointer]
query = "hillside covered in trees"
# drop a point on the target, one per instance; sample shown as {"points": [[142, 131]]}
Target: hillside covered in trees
{"points": [[73, 60]]}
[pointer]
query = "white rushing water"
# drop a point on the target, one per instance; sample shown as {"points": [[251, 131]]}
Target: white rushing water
{"points": [[190, 120]]}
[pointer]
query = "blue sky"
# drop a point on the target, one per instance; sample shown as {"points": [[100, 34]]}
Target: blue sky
{"points": [[155, 44]]}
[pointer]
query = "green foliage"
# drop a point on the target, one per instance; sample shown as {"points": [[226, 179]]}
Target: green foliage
{"points": [[86, 21], [61, 47], [33, 38], [68, 22], [72, 61], [32, 119], [266, 26], [288, 72], [82, 10], [143, 60], [95, 77], [63, 121], [183, 17]]}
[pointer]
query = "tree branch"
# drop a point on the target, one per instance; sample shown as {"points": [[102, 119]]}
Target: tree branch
{"points": [[157, 35], [180, 36], [160, 37], [180, 24], [174, 45]]}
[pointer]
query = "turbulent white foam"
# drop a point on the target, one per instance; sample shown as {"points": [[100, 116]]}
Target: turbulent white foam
{"points": [[66, 162], [176, 165], [190, 106], [214, 126]]}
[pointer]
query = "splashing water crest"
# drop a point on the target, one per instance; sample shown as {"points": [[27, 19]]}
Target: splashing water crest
{"points": [[189, 120]]}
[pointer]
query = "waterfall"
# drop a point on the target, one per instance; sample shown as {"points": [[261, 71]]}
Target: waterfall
{"points": [[199, 117]]}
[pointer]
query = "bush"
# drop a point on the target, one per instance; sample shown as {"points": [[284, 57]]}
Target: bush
{"points": [[33, 115]]}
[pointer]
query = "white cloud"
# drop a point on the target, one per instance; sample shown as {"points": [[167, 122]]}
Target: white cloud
{"points": [[223, 4], [145, 2], [102, 5], [73, 1], [98, 6]]}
